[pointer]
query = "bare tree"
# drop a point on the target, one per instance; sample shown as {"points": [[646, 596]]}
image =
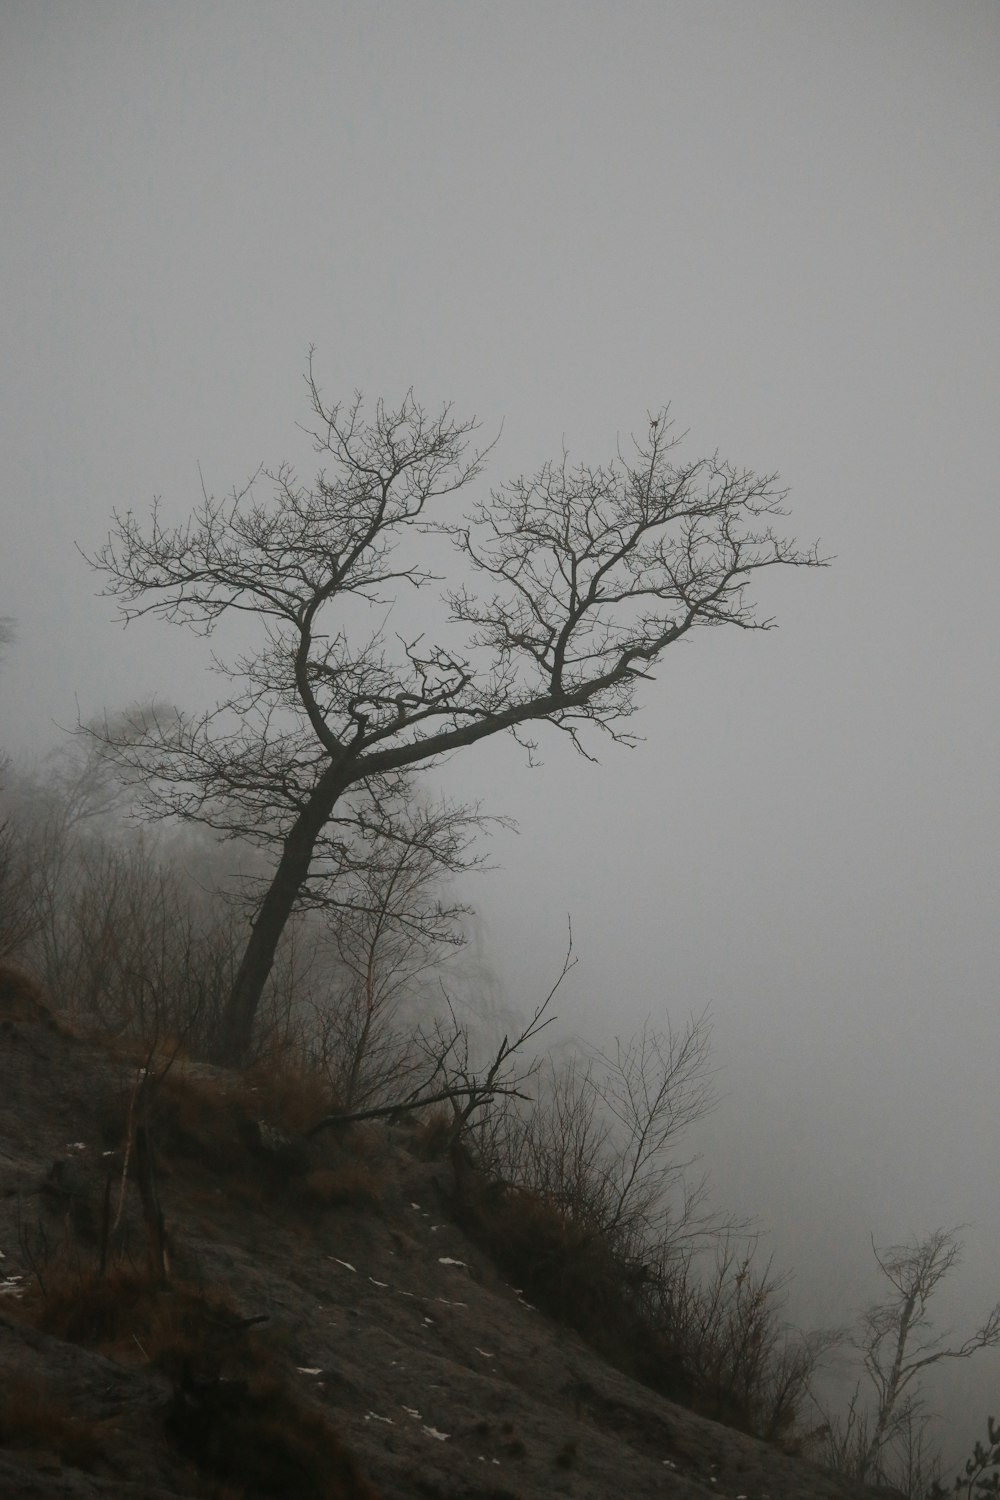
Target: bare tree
{"points": [[897, 1345], [588, 575]]}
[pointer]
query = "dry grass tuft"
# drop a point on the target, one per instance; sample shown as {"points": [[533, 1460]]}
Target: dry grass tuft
{"points": [[133, 1316], [285, 1090], [432, 1136], [196, 1118], [32, 1417], [248, 1433], [571, 1270], [564, 1266], [22, 997], [352, 1185]]}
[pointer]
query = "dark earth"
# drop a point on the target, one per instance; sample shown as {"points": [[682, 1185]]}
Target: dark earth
{"points": [[320, 1289]]}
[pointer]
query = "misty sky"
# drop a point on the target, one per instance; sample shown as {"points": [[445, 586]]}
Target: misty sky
{"points": [[784, 219]]}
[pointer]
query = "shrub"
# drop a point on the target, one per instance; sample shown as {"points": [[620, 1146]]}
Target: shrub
{"points": [[746, 1368], [583, 1202], [573, 1273]]}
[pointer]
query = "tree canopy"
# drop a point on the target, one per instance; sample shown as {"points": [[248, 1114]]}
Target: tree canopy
{"points": [[564, 589]]}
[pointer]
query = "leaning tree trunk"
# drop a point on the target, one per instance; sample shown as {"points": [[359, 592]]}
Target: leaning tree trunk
{"points": [[236, 1029], [890, 1393]]}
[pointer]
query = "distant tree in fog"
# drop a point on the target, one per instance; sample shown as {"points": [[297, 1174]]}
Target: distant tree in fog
{"points": [[569, 586], [881, 1437]]}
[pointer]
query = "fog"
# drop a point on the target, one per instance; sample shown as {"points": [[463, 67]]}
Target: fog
{"points": [[784, 220]]}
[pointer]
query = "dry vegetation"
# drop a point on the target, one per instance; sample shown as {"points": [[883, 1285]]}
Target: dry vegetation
{"points": [[571, 1178], [33, 1417]]}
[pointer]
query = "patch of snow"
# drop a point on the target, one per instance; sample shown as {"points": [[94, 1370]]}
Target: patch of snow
{"points": [[446, 1260], [77, 1146], [483, 1352], [442, 1437], [345, 1263], [307, 1370], [411, 1411], [377, 1283], [373, 1416]]}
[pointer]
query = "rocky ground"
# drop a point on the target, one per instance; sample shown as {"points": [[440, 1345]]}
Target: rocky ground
{"points": [[327, 1328]]}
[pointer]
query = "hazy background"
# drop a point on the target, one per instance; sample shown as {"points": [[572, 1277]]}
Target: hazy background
{"points": [[783, 218]]}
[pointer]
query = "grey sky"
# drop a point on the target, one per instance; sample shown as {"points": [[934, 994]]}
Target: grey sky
{"points": [[783, 218]]}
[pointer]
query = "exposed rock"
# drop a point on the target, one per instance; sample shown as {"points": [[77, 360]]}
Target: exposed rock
{"points": [[304, 1321]]}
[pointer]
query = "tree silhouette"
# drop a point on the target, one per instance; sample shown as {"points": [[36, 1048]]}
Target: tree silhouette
{"points": [[568, 587]]}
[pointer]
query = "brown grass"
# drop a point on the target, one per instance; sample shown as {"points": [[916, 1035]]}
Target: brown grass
{"points": [[22, 997], [130, 1315], [285, 1090], [352, 1185], [248, 1433], [572, 1272], [196, 1119], [33, 1417], [432, 1135], [561, 1264]]}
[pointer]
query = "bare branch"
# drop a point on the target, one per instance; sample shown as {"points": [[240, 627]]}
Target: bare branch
{"points": [[476, 1089], [568, 587], [896, 1346]]}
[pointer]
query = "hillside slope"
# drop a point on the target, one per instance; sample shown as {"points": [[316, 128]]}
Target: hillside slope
{"points": [[327, 1329]]}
